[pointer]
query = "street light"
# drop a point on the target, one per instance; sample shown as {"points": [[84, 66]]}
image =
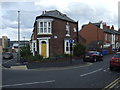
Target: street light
{"points": [[24, 41], [18, 35]]}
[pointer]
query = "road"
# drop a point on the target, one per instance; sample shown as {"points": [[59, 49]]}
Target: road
{"points": [[8, 62], [95, 75]]}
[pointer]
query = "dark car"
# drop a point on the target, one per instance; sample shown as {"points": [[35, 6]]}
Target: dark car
{"points": [[115, 61], [7, 55], [93, 56]]}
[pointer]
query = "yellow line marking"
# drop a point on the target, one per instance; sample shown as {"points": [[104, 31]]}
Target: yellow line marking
{"points": [[111, 84]]}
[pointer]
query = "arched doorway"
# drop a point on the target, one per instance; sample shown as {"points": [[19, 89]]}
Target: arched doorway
{"points": [[43, 49]]}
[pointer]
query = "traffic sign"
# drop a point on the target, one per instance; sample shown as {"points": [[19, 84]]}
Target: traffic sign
{"points": [[70, 41]]}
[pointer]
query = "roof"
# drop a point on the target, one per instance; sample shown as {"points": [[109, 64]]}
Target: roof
{"points": [[111, 31], [96, 24], [108, 31], [56, 14], [105, 30]]}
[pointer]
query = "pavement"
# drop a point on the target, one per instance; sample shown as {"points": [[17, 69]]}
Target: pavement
{"points": [[66, 63], [38, 65]]}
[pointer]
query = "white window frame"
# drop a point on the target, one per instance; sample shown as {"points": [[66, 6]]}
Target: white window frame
{"points": [[65, 45], [34, 47], [48, 27]]}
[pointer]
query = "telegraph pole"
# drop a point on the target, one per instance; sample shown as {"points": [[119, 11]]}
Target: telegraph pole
{"points": [[24, 41], [18, 35]]}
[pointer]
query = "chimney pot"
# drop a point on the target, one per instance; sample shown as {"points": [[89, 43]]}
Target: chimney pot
{"points": [[112, 27], [108, 27]]}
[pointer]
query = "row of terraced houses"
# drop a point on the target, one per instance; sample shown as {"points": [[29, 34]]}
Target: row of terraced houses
{"points": [[55, 33]]}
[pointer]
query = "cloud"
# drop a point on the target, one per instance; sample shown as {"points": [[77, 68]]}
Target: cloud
{"points": [[85, 13], [82, 10], [13, 33]]}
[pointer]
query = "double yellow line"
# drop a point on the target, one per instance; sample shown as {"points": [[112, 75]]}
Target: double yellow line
{"points": [[112, 84]]}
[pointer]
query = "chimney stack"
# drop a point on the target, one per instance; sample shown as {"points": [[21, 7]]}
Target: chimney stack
{"points": [[119, 30], [43, 12], [112, 28], [108, 27]]}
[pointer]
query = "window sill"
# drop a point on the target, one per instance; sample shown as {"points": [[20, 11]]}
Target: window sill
{"points": [[67, 35], [44, 34]]}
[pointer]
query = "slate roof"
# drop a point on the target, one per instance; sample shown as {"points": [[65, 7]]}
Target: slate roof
{"points": [[105, 30], [96, 24], [56, 14]]}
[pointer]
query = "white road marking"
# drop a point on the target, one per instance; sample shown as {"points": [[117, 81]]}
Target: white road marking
{"points": [[91, 72], [104, 70], [28, 83]]}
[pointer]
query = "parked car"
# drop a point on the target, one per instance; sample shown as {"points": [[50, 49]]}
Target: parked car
{"points": [[93, 56], [7, 55], [115, 61]]}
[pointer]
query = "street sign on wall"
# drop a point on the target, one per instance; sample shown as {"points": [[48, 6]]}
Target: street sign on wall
{"points": [[70, 41]]}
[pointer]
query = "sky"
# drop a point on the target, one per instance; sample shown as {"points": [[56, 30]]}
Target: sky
{"points": [[84, 11]]}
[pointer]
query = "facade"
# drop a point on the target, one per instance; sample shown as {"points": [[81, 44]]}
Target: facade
{"points": [[54, 34], [4, 43], [0, 45], [100, 36]]}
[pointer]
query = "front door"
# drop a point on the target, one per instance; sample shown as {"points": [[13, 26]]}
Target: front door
{"points": [[43, 49]]}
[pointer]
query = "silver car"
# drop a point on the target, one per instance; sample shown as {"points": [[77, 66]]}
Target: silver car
{"points": [[7, 55]]}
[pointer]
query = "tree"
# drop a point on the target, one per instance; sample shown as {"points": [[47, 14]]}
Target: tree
{"points": [[79, 49], [25, 51]]}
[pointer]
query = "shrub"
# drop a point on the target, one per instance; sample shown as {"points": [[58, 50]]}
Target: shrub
{"points": [[25, 51], [79, 49], [31, 58]]}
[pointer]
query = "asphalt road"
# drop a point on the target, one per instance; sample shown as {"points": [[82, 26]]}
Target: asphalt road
{"points": [[95, 75], [10, 62]]}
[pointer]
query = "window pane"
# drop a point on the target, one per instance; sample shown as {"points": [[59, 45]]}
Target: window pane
{"points": [[67, 44], [49, 30], [67, 48], [45, 30], [49, 24], [41, 30], [45, 24], [41, 24]]}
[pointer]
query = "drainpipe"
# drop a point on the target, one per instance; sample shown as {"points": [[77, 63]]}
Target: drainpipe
{"points": [[77, 34]]}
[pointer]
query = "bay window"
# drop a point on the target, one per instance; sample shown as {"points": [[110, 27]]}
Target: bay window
{"points": [[44, 26]]}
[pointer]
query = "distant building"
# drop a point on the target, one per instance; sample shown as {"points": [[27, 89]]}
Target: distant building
{"points": [[100, 36], [4, 43], [0, 45], [14, 44], [22, 43]]}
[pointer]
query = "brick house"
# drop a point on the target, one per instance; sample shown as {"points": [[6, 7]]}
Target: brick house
{"points": [[53, 31], [100, 36]]}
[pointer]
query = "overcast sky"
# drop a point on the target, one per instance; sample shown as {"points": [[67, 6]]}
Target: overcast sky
{"points": [[83, 11]]}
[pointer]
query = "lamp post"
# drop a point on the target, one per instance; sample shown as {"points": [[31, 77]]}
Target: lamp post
{"points": [[18, 35], [24, 41]]}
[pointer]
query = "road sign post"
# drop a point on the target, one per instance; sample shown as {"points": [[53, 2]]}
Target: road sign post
{"points": [[70, 41]]}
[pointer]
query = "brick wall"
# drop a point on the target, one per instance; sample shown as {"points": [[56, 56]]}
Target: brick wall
{"points": [[56, 45], [91, 32]]}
